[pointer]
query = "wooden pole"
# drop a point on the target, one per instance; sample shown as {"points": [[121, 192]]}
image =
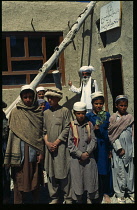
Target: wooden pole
{"points": [[67, 40]]}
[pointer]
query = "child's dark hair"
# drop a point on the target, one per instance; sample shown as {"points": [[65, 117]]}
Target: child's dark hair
{"points": [[77, 111], [121, 99], [98, 98], [27, 91]]}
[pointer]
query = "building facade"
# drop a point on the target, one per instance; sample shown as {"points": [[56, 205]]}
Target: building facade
{"points": [[31, 33]]}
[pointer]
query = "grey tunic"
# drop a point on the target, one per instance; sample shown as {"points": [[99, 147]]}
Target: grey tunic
{"points": [[84, 176], [122, 167], [56, 126]]}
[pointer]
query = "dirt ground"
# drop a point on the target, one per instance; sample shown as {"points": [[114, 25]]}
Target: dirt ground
{"points": [[44, 198]]}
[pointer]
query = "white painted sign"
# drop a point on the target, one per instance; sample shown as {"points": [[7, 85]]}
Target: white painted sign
{"points": [[110, 16]]}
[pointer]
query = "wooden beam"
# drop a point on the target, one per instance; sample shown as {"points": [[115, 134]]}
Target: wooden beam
{"points": [[67, 40]]}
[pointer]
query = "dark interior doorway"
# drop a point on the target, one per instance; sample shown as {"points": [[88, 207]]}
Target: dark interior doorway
{"points": [[113, 75]]}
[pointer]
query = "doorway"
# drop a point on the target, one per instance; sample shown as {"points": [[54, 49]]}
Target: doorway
{"points": [[112, 80]]}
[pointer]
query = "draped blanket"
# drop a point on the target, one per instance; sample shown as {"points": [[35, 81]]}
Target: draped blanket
{"points": [[26, 124], [116, 127]]}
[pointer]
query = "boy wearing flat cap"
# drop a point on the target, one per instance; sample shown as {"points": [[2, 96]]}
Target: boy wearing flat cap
{"points": [[81, 143], [57, 157]]}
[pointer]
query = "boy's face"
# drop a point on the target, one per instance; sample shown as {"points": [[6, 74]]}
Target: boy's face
{"points": [[41, 94], [97, 106], [122, 107], [27, 98], [80, 116], [53, 101]]}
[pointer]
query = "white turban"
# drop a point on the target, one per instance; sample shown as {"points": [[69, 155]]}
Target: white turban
{"points": [[79, 106], [86, 69], [96, 94]]}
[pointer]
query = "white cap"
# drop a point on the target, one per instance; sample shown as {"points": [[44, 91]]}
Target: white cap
{"points": [[79, 106], [96, 94], [25, 87], [40, 88]]}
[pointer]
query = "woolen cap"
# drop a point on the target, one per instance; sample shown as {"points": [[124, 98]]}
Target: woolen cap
{"points": [[121, 97], [79, 106], [55, 92]]}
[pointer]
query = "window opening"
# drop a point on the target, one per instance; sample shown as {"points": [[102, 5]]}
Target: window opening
{"points": [[23, 55], [4, 56], [17, 46]]}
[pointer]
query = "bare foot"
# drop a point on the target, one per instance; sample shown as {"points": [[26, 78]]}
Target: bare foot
{"points": [[107, 198]]}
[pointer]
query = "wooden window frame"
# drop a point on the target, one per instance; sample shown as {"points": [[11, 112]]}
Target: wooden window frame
{"points": [[26, 35]]}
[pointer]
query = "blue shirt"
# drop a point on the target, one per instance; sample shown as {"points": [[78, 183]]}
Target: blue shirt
{"points": [[103, 145], [47, 106]]}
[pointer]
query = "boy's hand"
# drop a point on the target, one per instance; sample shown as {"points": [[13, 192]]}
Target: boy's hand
{"points": [[40, 158], [51, 146], [57, 142], [84, 156], [70, 83], [96, 127], [110, 154], [121, 152]]}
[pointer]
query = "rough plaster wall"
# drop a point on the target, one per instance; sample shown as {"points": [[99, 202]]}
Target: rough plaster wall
{"points": [[74, 59], [47, 15], [119, 41]]}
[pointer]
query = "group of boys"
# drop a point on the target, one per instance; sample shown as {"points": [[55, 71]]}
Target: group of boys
{"points": [[78, 153]]}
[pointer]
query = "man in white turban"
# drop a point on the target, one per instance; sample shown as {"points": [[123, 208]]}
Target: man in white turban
{"points": [[88, 86]]}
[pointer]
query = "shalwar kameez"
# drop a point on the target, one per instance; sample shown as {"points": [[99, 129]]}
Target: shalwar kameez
{"points": [[87, 87], [84, 175], [102, 153], [121, 136], [25, 142], [57, 163]]}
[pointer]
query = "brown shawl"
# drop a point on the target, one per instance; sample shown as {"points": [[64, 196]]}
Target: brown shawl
{"points": [[117, 126], [26, 124]]}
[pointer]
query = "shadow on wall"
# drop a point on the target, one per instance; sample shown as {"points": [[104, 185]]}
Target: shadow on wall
{"points": [[113, 35], [69, 103], [87, 32]]}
